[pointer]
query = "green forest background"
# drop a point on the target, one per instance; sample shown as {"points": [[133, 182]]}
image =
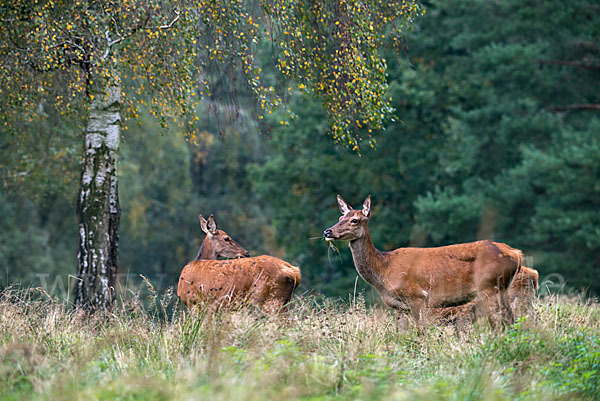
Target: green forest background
{"points": [[496, 135]]}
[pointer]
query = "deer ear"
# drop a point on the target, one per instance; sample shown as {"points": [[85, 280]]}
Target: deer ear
{"points": [[367, 206], [344, 207], [211, 224], [203, 224]]}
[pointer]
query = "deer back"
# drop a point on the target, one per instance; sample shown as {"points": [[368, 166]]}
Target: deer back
{"points": [[258, 280]]}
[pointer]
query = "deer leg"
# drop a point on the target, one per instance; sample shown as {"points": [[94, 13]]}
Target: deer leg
{"points": [[274, 306], [401, 320], [418, 310], [480, 308], [400, 307], [508, 316], [489, 305], [522, 303], [529, 302], [276, 298], [515, 303]]}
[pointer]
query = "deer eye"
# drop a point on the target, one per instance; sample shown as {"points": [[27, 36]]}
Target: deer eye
{"points": [[226, 239], [354, 221]]}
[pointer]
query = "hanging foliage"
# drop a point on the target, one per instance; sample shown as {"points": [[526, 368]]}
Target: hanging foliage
{"points": [[56, 52], [332, 48]]}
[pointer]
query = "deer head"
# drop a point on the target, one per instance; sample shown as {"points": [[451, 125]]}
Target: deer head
{"points": [[217, 243], [353, 224]]}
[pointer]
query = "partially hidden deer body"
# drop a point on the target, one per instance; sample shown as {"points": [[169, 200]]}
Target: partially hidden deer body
{"points": [[414, 279], [521, 294], [264, 281], [523, 289]]}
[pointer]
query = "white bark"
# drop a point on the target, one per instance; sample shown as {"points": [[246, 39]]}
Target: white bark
{"points": [[98, 204]]}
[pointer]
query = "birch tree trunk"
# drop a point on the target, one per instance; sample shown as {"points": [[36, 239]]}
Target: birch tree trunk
{"points": [[98, 204]]}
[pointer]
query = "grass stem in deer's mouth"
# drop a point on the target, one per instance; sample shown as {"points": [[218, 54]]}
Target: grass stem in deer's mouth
{"points": [[333, 247], [328, 239]]}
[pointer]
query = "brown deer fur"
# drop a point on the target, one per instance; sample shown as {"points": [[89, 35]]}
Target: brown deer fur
{"points": [[264, 281], [413, 279], [520, 296], [522, 290]]}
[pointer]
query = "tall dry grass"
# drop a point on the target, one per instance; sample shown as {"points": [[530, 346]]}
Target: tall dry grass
{"points": [[319, 350]]}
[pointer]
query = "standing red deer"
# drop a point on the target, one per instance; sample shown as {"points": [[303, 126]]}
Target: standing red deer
{"points": [[264, 281], [414, 279]]}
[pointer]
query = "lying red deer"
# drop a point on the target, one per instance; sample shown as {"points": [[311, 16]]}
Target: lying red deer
{"points": [[413, 279], [520, 297], [264, 281]]}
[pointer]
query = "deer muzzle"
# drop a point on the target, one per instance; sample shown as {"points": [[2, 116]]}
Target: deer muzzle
{"points": [[328, 235]]}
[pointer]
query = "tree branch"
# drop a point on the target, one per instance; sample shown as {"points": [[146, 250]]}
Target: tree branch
{"points": [[594, 67], [584, 44], [570, 107], [111, 43], [168, 26]]}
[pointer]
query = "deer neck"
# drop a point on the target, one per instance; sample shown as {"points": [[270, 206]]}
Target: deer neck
{"points": [[206, 251], [368, 260]]}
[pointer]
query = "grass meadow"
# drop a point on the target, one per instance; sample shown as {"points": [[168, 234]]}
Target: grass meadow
{"points": [[320, 350]]}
